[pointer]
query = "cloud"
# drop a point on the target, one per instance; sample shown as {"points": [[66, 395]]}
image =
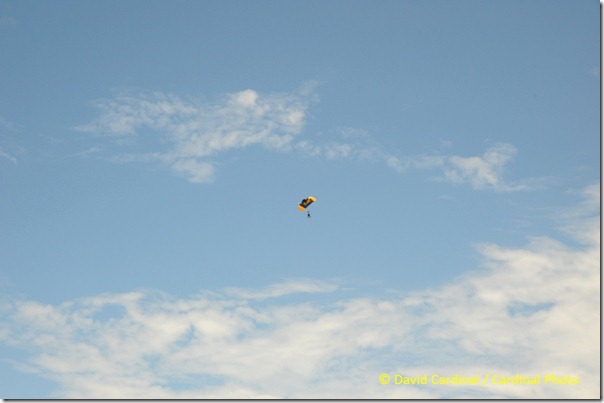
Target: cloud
{"points": [[7, 126], [195, 132], [345, 143], [6, 156], [578, 223], [528, 311], [482, 172], [197, 172], [188, 135], [278, 290]]}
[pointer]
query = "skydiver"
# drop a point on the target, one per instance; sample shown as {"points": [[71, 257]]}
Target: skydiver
{"points": [[308, 214]]}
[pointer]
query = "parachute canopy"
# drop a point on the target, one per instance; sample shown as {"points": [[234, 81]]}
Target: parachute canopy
{"points": [[306, 202]]}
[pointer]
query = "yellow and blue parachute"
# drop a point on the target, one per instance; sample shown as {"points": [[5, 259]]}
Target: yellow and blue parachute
{"points": [[306, 202]]}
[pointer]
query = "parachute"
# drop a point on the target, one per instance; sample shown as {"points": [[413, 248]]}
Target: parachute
{"points": [[306, 202]]}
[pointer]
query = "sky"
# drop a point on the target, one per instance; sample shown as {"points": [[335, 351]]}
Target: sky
{"points": [[153, 154]]}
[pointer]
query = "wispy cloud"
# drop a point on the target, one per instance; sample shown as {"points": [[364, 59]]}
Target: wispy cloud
{"points": [[343, 143], [188, 135], [278, 290], [6, 156], [531, 310], [192, 132], [483, 172], [7, 126]]}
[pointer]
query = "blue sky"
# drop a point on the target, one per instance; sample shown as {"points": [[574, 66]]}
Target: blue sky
{"points": [[152, 155]]}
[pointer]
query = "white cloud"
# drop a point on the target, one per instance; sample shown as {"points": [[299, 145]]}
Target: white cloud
{"points": [[197, 172], [7, 156], [343, 143], [532, 310], [480, 172], [484, 171], [397, 163], [278, 290], [8, 126], [189, 133], [577, 222]]}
